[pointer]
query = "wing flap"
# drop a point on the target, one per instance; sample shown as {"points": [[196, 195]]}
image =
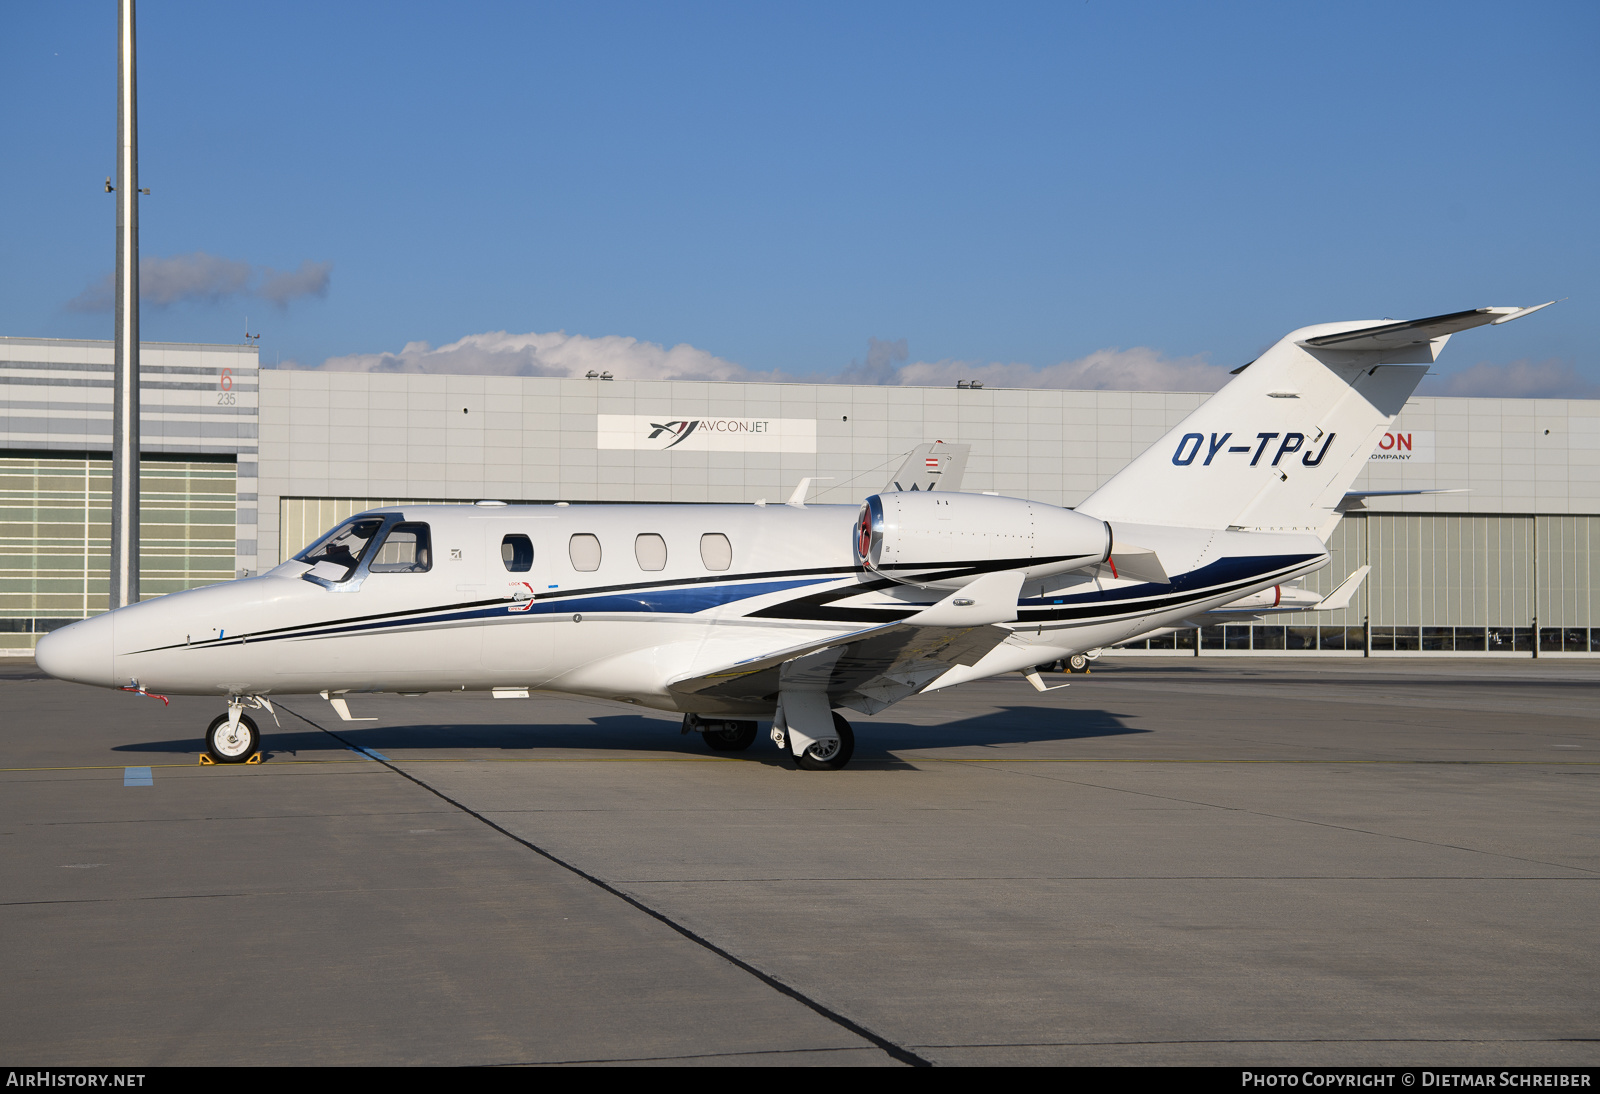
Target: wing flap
{"points": [[865, 671]]}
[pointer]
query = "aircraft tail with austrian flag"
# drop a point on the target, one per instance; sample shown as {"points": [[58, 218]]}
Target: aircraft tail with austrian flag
{"points": [[1279, 446]]}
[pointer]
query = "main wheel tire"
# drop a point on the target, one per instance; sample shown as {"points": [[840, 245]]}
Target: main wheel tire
{"points": [[1078, 662], [234, 748], [731, 737], [825, 755]]}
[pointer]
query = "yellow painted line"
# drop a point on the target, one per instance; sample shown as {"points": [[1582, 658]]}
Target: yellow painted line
{"points": [[119, 767]]}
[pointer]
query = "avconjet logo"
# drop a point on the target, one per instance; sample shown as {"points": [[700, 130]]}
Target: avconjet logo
{"points": [[657, 433], [679, 430]]}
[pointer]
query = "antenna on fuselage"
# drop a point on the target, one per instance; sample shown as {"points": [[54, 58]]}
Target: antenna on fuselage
{"points": [[798, 498]]}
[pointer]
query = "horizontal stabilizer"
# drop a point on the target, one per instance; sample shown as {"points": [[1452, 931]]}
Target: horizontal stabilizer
{"points": [[1357, 499], [1413, 331]]}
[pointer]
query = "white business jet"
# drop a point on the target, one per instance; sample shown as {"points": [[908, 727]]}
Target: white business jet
{"points": [[730, 614]]}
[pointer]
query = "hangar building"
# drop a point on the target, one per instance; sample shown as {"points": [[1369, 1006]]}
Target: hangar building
{"points": [[243, 466]]}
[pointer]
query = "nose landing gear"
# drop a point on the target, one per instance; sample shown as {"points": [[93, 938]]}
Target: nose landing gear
{"points": [[233, 737]]}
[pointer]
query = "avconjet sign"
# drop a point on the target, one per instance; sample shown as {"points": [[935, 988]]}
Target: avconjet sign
{"points": [[677, 432]]}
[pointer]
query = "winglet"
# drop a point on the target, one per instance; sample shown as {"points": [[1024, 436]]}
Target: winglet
{"points": [[1339, 599], [1521, 312]]}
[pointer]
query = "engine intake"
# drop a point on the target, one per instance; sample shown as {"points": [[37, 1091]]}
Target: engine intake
{"points": [[945, 541]]}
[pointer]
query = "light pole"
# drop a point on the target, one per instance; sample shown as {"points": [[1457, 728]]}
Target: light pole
{"points": [[125, 387]]}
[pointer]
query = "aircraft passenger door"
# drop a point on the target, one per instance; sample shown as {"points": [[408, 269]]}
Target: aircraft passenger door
{"points": [[517, 640], [416, 578]]}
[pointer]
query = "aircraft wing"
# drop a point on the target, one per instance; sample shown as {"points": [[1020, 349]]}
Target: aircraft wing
{"points": [[865, 671]]}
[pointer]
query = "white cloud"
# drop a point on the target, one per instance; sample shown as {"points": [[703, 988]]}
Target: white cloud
{"points": [[1552, 379], [204, 278], [499, 353]]}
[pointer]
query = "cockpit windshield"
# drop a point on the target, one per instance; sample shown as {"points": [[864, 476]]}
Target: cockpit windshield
{"points": [[334, 557]]}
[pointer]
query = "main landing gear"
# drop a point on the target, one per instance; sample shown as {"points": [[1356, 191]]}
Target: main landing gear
{"points": [[818, 754], [233, 738], [830, 755]]}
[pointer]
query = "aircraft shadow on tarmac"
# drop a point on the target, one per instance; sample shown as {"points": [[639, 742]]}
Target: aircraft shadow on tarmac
{"points": [[637, 733]]}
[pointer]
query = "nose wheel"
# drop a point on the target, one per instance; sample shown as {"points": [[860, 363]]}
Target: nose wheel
{"points": [[232, 739]]}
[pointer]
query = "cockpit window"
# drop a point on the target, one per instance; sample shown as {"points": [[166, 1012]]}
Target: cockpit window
{"points": [[405, 550], [335, 556]]}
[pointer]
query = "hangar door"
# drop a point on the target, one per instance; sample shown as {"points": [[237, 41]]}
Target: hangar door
{"points": [[55, 535]]}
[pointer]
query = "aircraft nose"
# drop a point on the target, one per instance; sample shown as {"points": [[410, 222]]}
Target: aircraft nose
{"points": [[80, 652]]}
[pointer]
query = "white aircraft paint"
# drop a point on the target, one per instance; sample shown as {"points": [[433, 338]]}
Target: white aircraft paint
{"points": [[728, 613]]}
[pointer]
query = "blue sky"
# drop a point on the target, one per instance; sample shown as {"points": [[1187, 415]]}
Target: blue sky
{"points": [[774, 185]]}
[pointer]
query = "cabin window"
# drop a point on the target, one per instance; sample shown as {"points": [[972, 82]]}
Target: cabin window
{"points": [[517, 553], [334, 557], [405, 550], [715, 551], [584, 550], [651, 551]]}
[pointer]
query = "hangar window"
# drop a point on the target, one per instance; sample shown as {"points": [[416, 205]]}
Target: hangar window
{"points": [[584, 549], [404, 551], [715, 551], [517, 553], [335, 555], [651, 551]]}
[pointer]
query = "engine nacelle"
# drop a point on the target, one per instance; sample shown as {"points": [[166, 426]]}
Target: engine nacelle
{"points": [[945, 541]]}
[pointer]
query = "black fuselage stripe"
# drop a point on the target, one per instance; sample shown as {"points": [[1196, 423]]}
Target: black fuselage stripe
{"points": [[813, 607], [293, 630]]}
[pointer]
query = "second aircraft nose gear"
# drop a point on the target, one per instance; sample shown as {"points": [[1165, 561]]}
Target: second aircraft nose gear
{"points": [[721, 735]]}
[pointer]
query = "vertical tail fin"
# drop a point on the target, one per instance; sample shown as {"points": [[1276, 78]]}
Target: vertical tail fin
{"points": [[1276, 449], [936, 466]]}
